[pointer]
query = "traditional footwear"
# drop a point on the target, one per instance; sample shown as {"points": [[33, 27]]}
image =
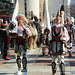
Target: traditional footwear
{"points": [[19, 72], [7, 58], [70, 55]]}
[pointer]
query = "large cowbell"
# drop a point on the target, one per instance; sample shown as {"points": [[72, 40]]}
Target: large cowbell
{"points": [[12, 29]]}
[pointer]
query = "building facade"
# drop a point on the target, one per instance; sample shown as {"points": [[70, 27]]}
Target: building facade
{"points": [[32, 8], [35, 7]]}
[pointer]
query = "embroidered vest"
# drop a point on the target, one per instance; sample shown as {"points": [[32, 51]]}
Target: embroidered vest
{"points": [[56, 36], [56, 43]]}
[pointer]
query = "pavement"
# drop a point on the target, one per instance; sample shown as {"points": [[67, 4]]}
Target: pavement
{"points": [[36, 64]]}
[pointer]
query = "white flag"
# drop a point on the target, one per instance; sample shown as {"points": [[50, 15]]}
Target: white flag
{"points": [[46, 17], [15, 13]]}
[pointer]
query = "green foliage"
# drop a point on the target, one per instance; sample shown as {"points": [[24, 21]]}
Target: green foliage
{"points": [[6, 7]]}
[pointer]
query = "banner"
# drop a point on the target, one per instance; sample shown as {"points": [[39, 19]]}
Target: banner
{"points": [[15, 13], [46, 19]]}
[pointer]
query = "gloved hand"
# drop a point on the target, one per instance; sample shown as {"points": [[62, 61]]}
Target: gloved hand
{"points": [[63, 53]]}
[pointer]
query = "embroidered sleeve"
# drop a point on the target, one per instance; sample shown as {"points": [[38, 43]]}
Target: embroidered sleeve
{"points": [[66, 35]]}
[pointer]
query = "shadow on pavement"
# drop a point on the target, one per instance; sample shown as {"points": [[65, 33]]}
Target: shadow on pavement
{"points": [[11, 62], [38, 56], [6, 73], [72, 63]]}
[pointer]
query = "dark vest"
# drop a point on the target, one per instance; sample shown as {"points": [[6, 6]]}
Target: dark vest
{"points": [[3, 26], [56, 36]]}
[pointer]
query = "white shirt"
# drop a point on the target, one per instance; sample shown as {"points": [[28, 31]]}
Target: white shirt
{"points": [[20, 31], [65, 34]]}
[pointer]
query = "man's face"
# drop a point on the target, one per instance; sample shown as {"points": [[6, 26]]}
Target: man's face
{"points": [[68, 22], [58, 21]]}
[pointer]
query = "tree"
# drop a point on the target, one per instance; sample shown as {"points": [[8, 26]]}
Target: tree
{"points": [[6, 7]]}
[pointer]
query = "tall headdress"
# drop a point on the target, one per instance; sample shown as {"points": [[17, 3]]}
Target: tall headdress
{"points": [[62, 13]]}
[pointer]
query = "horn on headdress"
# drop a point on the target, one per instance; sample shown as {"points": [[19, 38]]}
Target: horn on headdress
{"points": [[62, 13]]}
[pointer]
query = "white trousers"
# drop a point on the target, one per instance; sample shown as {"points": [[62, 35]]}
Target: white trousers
{"points": [[59, 57]]}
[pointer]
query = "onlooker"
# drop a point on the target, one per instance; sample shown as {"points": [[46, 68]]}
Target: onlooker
{"points": [[4, 36], [53, 22], [4, 24], [74, 32], [69, 29], [1, 21]]}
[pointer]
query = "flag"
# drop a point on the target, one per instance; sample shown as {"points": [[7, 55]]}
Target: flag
{"points": [[15, 13], [46, 18], [43, 18]]}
